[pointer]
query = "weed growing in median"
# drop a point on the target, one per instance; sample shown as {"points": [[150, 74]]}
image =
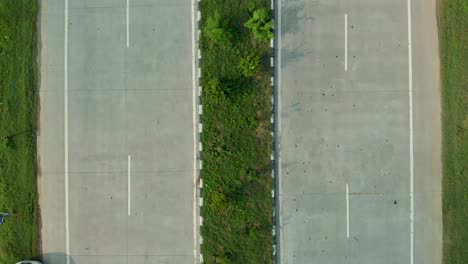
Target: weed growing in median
{"points": [[250, 65]]}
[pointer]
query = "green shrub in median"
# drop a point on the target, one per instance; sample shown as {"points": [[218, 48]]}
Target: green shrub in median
{"points": [[261, 25], [213, 92], [214, 31], [250, 65]]}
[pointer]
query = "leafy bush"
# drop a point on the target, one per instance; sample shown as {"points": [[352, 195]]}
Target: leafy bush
{"points": [[3, 143], [219, 202], [250, 65], [213, 91], [214, 31], [261, 25]]}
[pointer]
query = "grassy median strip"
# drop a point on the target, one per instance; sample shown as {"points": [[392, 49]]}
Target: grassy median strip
{"points": [[238, 207], [18, 114], [453, 21]]}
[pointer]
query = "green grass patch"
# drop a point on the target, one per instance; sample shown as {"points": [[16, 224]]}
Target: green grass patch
{"points": [[18, 118], [238, 207], [453, 31]]}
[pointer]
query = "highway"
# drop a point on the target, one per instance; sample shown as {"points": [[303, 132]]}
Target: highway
{"points": [[117, 144], [358, 132]]}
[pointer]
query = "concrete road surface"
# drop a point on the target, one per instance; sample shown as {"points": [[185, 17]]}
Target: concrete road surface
{"points": [[116, 143], [359, 132]]}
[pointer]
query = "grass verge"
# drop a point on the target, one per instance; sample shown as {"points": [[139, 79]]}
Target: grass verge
{"points": [[453, 31], [238, 207], [18, 118]]}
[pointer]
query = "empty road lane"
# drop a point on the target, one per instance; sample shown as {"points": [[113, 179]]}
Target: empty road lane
{"points": [[116, 143], [355, 144]]}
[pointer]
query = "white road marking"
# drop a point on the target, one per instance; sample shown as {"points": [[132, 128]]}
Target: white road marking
{"points": [[129, 185], [127, 23], [195, 123], [410, 93], [278, 134], [347, 211], [346, 42], [65, 96]]}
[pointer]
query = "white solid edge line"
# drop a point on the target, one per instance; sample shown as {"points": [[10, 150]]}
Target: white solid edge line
{"points": [[127, 23], [346, 42], [194, 116], [278, 134], [129, 185], [410, 93], [347, 211], [65, 96]]}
